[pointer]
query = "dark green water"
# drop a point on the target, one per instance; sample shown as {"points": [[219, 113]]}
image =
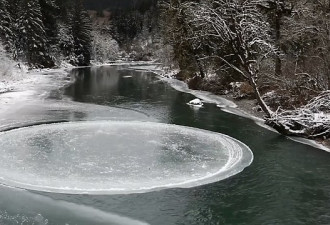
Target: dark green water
{"points": [[287, 184]]}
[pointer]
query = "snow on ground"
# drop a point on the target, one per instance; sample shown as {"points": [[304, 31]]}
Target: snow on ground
{"points": [[138, 64], [148, 68], [29, 85], [10, 75]]}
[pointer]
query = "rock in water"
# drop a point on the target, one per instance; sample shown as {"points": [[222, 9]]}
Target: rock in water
{"points": [[196, 102]]}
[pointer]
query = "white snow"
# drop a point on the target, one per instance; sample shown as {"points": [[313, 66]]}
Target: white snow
{"points": [[236, 85], [130, 64], [147, 68], [207, 97], [310, 143], [321, 117], [25, 85], [11, 72], [196, 103]]}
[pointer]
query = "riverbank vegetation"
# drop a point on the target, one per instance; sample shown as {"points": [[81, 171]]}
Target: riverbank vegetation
{"points": [[274, 51], [277, 50]]}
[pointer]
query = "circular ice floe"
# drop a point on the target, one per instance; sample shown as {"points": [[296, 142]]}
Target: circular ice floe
{"points": [[117, 157]]}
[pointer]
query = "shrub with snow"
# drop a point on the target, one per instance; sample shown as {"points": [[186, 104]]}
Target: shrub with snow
{"points": [[104, 48]]}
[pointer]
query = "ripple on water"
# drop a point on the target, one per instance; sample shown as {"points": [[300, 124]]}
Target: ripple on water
{"points": [[110, 157]]}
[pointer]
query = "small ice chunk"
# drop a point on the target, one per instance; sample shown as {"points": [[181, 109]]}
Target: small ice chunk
{"points": [[196, 102]]}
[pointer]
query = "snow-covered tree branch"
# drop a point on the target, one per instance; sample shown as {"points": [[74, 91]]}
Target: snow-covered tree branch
{"points": [[235, 27], [310, 121]]}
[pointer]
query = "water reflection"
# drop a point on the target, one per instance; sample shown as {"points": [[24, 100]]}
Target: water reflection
{"points": [[129, 89]]}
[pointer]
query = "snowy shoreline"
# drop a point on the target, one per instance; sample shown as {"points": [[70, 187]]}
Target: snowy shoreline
{"points": [[25, 84], [228, 104], [29, 86]]}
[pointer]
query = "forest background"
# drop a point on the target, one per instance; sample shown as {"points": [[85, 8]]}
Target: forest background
{"points": [[275, 52]]}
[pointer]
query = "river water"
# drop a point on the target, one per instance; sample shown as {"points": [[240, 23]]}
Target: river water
{"points": [[287, 182]]}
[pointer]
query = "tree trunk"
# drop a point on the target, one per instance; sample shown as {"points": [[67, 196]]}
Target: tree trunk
{"points": [[200, 67], [278, 62], [278, 66], [185, 28], [261, 102]]}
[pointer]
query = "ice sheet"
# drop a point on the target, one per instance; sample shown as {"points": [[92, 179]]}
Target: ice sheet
{"points": [[23, 207], [109, 157]]}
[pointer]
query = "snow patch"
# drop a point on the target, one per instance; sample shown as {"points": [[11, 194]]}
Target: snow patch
{"points": [[146, 68], [196, 103], [207, 97]]}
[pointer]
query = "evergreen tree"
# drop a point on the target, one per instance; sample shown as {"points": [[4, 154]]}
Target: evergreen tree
{"points": [[65, 7], [178, 34], [6, 32], [66, 42], [50, 12], [32, 35], [13, 8], [128, 24], [276, 11], [81, 31]]}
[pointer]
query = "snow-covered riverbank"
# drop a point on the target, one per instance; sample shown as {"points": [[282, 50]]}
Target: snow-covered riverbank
{"points": [[26, 85], [19, 84], [244, 108], [22, 86]]}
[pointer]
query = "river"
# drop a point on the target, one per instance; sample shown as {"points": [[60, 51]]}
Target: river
{"points": [[287, 183]]}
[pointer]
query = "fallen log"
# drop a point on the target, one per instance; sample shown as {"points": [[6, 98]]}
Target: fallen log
{"points": [[310, 121]]}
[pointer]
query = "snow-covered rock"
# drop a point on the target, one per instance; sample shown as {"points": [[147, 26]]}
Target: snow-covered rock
{"points": [[196, 102]]}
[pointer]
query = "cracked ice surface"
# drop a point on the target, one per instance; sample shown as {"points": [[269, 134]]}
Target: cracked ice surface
{"points": [[116, 157]]}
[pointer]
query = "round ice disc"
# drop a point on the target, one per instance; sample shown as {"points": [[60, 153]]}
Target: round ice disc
{"points": [[117, 157]]}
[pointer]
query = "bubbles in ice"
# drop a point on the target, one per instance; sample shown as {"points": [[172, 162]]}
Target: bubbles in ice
{"points": [[117, 157]]}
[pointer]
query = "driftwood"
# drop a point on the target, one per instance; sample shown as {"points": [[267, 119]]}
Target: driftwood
{"points": [[311, 121]]}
